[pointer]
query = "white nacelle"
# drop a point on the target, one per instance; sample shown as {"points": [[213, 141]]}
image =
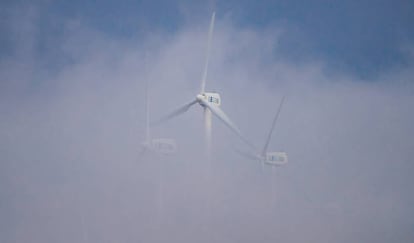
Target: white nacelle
{"points": [[213, 98], [276, 158], [164, 145], [161, 146]]}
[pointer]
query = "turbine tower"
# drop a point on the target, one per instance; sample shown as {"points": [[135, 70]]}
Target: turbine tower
{"points": [[209, 101]]}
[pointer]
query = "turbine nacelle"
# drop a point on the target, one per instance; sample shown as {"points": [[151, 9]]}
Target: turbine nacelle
{"points": [[161, 145], [210, 97], [276, 158]]}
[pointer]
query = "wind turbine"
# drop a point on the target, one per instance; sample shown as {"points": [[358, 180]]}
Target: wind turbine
{"points": [[163, 146], [209, 101], [265, 157]]}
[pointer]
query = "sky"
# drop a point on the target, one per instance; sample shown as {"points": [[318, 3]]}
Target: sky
{"points": [[72, 118]]}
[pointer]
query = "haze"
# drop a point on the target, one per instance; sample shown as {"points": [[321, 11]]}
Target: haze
{"points": [[72, 117]]}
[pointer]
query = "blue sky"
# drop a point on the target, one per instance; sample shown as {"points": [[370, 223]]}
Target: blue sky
{"points": [[364, 38]]}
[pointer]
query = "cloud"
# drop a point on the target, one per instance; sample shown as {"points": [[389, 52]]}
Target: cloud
{"points": [[69, 140]]}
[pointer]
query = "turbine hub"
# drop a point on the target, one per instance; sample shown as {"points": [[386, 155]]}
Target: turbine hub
{"points": [[200, 97]]}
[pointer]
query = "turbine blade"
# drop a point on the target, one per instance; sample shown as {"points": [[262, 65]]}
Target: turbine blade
{"points": [[210, 37], [147, 118], [226, 120], [273, 126], [175, 113]]}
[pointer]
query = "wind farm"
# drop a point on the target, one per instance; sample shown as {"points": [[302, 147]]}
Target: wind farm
{"points": [[210, 103], [95, 147]]}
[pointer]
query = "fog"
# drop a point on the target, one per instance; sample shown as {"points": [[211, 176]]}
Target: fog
{"points": [[73, 118]]}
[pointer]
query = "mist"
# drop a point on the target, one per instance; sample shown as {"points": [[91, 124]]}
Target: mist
{"points": [[73, 118]]}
